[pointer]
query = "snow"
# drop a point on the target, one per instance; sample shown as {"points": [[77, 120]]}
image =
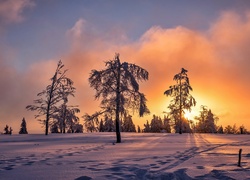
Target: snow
{"points": [[139, 156]]}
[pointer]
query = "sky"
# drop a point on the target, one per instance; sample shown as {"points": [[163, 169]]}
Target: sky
{"points": [[209, 38]]}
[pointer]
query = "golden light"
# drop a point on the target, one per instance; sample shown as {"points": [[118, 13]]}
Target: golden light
{"points": [[190, 115]]}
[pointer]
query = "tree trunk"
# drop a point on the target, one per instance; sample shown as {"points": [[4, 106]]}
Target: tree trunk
{"points": [[117, 120], [180, 124], [49, 104], [64, 118]]}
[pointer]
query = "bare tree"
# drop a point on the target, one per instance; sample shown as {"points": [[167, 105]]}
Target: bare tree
{"points": [[182, 100], [118, 87], [57, 91]]}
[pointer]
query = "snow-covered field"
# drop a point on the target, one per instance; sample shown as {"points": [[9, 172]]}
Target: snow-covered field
{"points": [[139, 156]]}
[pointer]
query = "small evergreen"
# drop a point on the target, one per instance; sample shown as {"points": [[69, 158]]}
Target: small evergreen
{"points": [[23, 129], [128, 125], [6, 129]]}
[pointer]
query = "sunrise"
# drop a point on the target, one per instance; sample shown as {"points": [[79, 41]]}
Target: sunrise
{"points": [[183, 64]]}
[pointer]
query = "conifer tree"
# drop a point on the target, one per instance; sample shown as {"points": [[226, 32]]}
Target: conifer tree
{"points": [[156, 124], [128, 125], [166, 124], [23, 129], [147, 127], [109, 125], [6, 130], [206, 121]]}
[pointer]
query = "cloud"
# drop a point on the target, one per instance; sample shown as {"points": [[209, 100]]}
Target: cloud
{"points": [[217, 61], [11, 10]]}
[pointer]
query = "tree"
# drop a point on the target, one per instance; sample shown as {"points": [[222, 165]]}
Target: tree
{"points": [[23, 129], [156, 124], [181, 98], [242, 130], [6, 130], [54, 128], [206, 121], [138, 129], [57, 91], [220, 130], [166, 125], [78, 128], [101, 127], [128, 125], [147, 127], [117, 85], [231, 129], [66, 118]]}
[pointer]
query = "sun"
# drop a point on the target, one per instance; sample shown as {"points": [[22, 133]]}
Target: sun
{"points": [[189, 115]]}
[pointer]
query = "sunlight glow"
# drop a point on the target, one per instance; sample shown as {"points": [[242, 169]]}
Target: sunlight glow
{"points": [[190, 115]]}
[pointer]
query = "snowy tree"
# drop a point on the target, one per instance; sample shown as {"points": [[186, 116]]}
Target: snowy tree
{"points": [[156, 124], [23, 129], [109, 125], [147, 127], [66, 118], [242, 130], [60, 87], [117, 85], [231, 129], [128, 125], [78, 128], [166, 124], [182, 99], [54, 128], [206, 121], [101, 127], [220, 130]]}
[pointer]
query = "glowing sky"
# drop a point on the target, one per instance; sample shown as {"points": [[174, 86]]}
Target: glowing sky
{"points": [[209, 38]]}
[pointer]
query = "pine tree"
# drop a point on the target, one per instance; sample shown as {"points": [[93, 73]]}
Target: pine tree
{"points": [[128, 125], [147, 127], [206, 121], [23, 129], [220, 130], [6, 130], [156, 124], [166, 124], [109, 125]]}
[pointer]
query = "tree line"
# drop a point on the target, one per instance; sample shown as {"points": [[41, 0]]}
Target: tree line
{"points": [[117, 88]]}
